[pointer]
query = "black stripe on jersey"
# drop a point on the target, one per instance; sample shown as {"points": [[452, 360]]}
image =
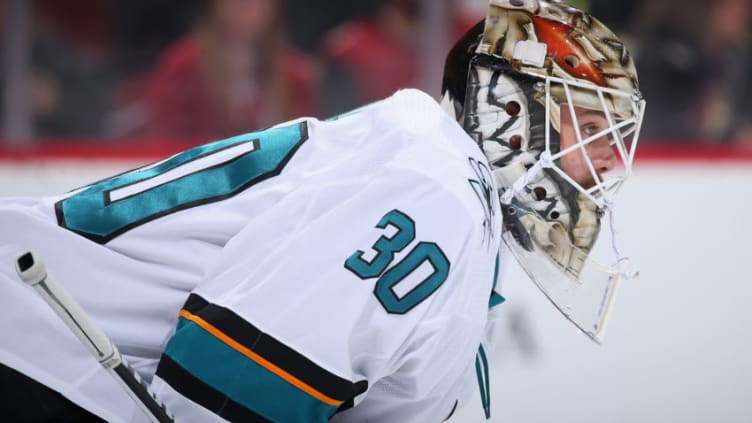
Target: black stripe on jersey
{"points": [[274, 351], [204, 395], [346, 406], [454, 408]]}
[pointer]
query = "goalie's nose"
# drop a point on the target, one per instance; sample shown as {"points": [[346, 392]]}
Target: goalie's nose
{"points": [[602, 155]]}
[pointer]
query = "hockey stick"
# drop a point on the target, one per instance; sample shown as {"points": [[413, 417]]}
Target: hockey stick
{"points": [[31, 269]]}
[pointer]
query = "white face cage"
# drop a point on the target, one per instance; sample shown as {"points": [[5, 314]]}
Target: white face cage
{"points": [[567, 270], [623, 134]]}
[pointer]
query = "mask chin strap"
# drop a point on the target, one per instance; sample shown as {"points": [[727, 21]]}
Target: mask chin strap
{"points": [[622, 262], [519, 185]]}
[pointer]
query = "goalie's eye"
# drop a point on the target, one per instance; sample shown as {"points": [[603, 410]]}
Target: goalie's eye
{"points": [[590, 129]]}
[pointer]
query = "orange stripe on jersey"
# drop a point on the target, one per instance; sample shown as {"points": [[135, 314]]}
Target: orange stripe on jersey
{"points": [[259, 360]]}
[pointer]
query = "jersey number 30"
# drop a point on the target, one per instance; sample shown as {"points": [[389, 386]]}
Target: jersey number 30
{"points": [[202, 175], [389, 279]]}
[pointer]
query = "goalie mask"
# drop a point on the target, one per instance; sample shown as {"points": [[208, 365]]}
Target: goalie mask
{"points": [[551, 96]]}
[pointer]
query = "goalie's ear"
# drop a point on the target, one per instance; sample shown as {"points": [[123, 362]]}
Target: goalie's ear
{"points": [[457, 65]]}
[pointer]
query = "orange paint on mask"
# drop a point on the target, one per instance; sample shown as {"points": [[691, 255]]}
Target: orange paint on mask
{"points": [[561, 46]]}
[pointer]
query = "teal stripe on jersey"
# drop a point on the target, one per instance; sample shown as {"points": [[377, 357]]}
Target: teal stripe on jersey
{"points": [[481, 369], [93, 214], [242, 379], [496, 298]]}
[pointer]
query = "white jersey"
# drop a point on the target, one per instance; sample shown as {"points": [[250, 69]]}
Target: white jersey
{"points": [[315, 270]]}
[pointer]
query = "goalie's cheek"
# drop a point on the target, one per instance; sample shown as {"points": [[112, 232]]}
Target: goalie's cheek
{"points": [[575, 164]]}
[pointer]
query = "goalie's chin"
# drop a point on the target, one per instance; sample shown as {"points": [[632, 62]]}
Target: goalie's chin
{"points": [[580, 288]]}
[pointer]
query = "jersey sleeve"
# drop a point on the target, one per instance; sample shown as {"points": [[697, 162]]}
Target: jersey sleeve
{"points": [[362, 298]]}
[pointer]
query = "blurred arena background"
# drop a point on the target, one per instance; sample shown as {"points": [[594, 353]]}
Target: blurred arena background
{"points": [[93, 87]]}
